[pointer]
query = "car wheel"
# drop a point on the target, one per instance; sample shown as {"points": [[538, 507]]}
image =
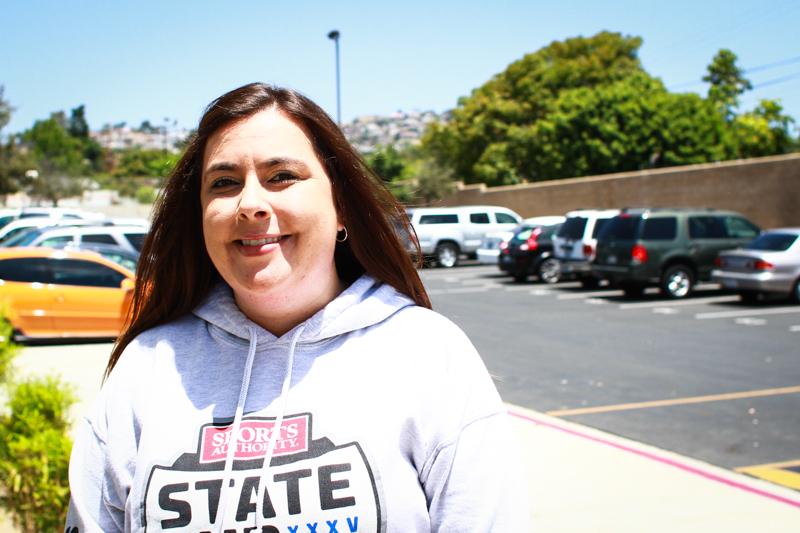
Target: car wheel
{"points": [[796, 292], [677, 281], [550, 270], [632, 290], [590, 282], [447, 255]]}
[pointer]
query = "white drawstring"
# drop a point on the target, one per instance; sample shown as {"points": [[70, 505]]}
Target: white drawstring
{"points": [[276, 428], [237, 420]]}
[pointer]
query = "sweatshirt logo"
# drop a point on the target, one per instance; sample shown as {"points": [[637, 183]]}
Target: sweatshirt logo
{"points": [[311, 485], [253, 439]]}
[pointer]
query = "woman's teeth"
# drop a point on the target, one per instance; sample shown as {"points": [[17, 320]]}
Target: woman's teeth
{"points": [[260, 242]]}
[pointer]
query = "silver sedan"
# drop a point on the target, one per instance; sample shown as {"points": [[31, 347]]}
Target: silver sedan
{"points": [[770, 264]]}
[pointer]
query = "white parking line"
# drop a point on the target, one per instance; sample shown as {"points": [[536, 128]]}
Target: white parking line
{"points": [[593, 294], [691, 301], [665, 311], [521, 288], [750, 312], [747, 321], [794, 329]]}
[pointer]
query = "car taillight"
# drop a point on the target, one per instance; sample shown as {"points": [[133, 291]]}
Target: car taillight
{"points": [[639, 254], [588, 251], [531, 243], [503, 247], [719, 263], [763, 265]]}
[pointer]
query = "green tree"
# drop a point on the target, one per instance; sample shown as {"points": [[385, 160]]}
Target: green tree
{"points": [[726, 81], [482, 141], [395, 168], [77, 125], [5, 110], [10, 173], [764, 131], [432, 181]]}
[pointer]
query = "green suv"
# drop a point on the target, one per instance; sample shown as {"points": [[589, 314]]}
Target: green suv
{"points": [[669, 248]]}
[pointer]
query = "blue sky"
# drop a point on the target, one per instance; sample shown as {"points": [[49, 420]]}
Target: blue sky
{"points": [[130, 61]]}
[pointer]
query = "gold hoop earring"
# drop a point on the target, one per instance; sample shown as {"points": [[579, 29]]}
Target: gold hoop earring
{"points": [[344, 229]]}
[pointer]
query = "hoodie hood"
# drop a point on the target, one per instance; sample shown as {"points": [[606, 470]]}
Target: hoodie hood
{"points": [[364, 303]]}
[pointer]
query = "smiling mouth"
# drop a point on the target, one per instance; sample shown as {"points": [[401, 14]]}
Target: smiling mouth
{"points": [[260, 242]]}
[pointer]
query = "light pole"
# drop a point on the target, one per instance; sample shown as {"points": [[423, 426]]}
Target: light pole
{"points": [[335, 36]]}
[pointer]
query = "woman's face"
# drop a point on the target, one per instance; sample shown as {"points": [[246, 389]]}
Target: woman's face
{"points": [[269, 220]]}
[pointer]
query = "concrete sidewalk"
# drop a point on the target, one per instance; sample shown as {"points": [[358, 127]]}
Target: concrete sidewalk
{"points": [[581, 479]]}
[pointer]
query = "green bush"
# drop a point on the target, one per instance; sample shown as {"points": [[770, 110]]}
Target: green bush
{"points": [[7, 349], [34, 447], [145, 194]]}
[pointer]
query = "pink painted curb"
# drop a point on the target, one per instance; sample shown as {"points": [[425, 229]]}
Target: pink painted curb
{"points": [[664, 460]]}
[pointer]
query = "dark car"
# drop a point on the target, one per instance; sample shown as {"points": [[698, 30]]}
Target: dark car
{"points": [[530, 252], [669, 248]]}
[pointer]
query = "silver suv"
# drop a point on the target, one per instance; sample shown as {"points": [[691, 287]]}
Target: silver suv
{"points": [[445, 233], [575, 244]]}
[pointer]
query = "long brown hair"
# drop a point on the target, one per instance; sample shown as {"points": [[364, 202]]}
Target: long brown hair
{"points": [[175, 272]]}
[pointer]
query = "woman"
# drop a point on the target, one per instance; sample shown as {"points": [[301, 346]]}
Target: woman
{"points": [[273, 269]]}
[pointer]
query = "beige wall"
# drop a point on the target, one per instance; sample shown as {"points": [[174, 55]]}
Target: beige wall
{"points": [[766, 190]]}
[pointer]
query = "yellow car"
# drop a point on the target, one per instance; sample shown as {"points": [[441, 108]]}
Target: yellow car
{"points": [[48, 293]]}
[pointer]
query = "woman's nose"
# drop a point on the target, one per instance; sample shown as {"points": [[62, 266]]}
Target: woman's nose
{"points": [[254, 201]]}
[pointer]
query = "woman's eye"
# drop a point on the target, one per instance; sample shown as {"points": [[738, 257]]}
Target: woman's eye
{"points": [[283, 177], [222, 182]]}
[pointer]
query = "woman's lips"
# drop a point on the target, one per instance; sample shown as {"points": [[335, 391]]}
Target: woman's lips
{"points": [[260, 246]]}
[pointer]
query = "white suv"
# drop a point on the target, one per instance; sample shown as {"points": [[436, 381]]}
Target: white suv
{"points": [[575, 244], [129, 238], [445, 233]]}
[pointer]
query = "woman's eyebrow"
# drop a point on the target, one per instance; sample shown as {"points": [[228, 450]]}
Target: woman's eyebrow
{"points": [[225, 166], [221, 167], [281, 161]]}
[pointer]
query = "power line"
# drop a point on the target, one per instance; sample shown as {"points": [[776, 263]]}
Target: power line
{"points": [[768, 66], [757, 68], [776, 81]]}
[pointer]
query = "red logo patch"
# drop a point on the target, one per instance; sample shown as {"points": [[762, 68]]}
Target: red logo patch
{"points": [[254, 438]]}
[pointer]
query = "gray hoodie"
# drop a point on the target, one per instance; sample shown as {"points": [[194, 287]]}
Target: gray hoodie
{"points": [[372, 415]]}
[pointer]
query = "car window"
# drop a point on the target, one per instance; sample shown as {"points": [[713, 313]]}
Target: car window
{"points": [[136, 240], [26, 269], [772, 242], [438, 219], [5, 220], [504, 218], [120, 259], [706, 227], [621, 228], [573, 228], [479, 218], [84, 273], [660, 229], [599, 224], [740, 228], [549, 231], [56, 241], [13, 233], [101, 238], [23, 238], [522, 234]]}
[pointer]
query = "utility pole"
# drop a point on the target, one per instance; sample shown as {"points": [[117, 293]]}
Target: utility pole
{"points": [[334, 35]]}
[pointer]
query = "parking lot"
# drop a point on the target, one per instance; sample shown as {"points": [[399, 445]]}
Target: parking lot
{"points": [[708, 377]]}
